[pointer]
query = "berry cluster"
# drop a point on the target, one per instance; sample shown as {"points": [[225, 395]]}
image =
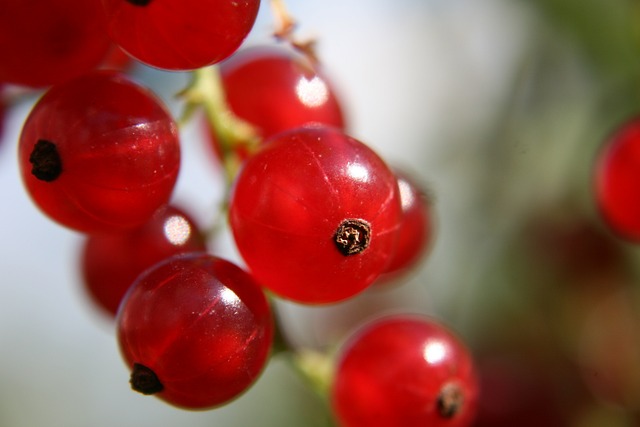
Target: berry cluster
{"points": [[317, 215]]}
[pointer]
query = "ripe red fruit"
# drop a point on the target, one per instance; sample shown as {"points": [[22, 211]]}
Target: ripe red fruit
{"points": [[617, 176], [404, 371], [275, 89], [315, 215], [180, 34], [416, 227], [99, 153], [195, 330], [46, 42], [111, 262]]}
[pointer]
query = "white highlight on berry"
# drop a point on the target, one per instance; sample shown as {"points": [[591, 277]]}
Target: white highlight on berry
{"points": [[230, 298], [434, 352], [312, 93], [406, 195], [177, 230], [358, 172]]}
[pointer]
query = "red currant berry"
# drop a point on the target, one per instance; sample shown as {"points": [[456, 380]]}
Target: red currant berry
{"points": [[404, 371], [616, 181], [116, 59], [415, 233], [315, 215], [46, 42], [111, 262], [275, 90], [99, 153], [180, 34], [195, 330]]}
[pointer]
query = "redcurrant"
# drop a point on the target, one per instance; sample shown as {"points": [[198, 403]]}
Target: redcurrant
{"points": [[46, 42], [111, 262], [404, 371], [616, 181], [415, 233], [315, 215], [195, 330], [275, 90], [99, 153], [180, 34], [116, 59]]}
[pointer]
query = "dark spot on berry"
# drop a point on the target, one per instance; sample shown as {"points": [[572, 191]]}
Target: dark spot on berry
{"points": [[47, 165], [144, 380], [352, 236], [450, 400], [139, 2]]}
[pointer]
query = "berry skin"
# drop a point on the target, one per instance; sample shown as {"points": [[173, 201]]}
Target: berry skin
{"points": [[46, 42], [404, 371], [617, 176], [275, 89], [111, 262], [99, 153], [415, 233], [195, 330], [315, 215], [180, 34]]}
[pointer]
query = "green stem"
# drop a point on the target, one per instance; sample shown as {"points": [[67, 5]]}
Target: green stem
{"points": [[205, 92], [314, 367]]}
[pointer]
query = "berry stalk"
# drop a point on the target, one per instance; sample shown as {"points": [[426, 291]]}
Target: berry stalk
{"points": [[205, 92]]}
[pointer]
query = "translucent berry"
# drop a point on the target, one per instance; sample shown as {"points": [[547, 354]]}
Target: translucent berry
{"points": [[180, 34], [315, 215], [195, 331], [117, 59], [404, 371], [99, 153], [275, 89], [617, 176], [416, 227], [46, 42], [111, 262]]}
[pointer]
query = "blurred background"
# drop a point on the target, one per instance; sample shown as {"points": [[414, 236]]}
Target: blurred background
{"points": [[499, 108]]}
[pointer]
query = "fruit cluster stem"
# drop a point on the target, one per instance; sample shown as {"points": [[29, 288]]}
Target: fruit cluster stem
{"points": [[205, 92]]}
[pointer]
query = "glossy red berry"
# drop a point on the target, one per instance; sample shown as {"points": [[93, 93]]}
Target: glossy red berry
{"points": [[99, 153], [180, 34], [617, 176], [195, 330], [111, 262], [404, 371], [416, 227], [275, 90], [46, 42], [315, 215], [117, 59]]}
